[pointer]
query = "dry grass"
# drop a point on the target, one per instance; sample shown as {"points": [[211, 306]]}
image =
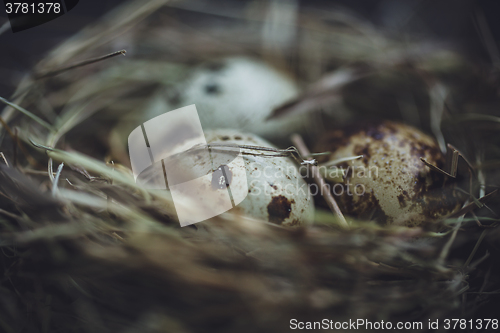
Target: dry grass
{"points": [[84, 249]]}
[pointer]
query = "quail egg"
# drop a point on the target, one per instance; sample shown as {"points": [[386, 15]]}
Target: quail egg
{"points": [[390, 184], [276, 191], [237, 93]]}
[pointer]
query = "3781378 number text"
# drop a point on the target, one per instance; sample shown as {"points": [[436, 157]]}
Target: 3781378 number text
{"points": [[33, 8], [471, 324]]}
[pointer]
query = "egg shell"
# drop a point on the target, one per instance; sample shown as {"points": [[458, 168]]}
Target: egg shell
{"points": [[276, 191], [236, 93], [390, 184]]}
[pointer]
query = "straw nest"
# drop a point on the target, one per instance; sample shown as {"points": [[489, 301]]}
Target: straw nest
{"points": [[85, 249]]}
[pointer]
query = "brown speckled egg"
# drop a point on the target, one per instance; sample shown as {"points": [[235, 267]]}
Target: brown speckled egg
{"points": [[390, 184]]}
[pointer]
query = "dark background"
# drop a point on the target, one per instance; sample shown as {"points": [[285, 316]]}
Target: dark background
{"points": [[20, 51], [449, 21]]}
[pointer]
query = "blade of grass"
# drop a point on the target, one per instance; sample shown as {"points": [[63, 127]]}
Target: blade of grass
{"points": [[27, 113], [56, 179], [474, 250]]}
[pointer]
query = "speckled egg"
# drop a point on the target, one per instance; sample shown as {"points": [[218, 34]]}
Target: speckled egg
{"points": [[389, 184], [235, 93], [276, 191]]}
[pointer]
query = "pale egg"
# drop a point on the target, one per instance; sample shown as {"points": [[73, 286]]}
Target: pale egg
{"points": [[235, 93], [276, 190]]}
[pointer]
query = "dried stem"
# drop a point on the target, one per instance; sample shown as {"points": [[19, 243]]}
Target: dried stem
{"points": [[4, 158], [446, 248], [330, 200], [27, 113], [288, 152], [16, 140], [56, 179], [474, 250], [455, 154], [80, 64]]}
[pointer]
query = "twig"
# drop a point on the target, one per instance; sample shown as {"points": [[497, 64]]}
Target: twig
{"points": [[479, 261], [35, 172], [288, 152], [474, 250], [50, 170], [455, 154], [481, 178], [479, 224], [80, 64], [15, 143], [56, 179], [4, 159], [471, 206], [486, 279], [15, 139], [447, 246], [330, 200]]}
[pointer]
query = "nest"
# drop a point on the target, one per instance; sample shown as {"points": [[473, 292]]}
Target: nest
{"points": [[84, 248]]}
